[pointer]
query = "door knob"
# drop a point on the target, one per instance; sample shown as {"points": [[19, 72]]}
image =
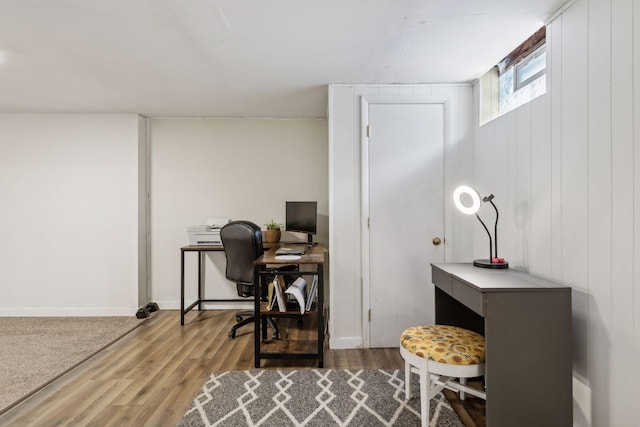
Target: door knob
{"points": [[436, 241]]}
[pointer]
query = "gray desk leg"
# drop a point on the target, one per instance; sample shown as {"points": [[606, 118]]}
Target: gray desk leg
{"points": [[528, 338], [181, 288], [320, 310]]}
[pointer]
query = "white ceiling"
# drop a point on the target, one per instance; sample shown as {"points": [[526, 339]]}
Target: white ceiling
{"points": [[243, 58]]}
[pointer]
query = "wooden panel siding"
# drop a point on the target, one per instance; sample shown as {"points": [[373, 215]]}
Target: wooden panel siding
{"points": [[582, 145]]}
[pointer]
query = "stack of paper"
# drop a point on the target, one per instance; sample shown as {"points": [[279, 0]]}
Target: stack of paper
{"points": [[297, 290], [277, 294], [276, 297], [313, 292]]}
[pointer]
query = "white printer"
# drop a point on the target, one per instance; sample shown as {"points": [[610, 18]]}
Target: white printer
{"points": [[208, 234]]}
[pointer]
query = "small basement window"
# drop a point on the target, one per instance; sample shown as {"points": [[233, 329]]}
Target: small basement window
{"points": [[516, 80], [530, 68]]}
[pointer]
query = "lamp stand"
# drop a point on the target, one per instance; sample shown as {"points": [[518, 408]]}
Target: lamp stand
{"points": [[489, 263], [493, 261]]}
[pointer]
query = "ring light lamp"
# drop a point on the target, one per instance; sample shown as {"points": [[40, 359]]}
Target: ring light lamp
{"points": [[471, 192], [465, 191]]}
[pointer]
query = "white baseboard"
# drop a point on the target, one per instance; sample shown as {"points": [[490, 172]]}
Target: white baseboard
{"points": [[345, 343], [582, 401], [66, 312]]}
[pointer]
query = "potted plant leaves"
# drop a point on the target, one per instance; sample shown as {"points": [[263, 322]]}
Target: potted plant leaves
{"points": [[273, 232]]}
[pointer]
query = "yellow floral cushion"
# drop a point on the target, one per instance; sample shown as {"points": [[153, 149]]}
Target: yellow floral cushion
{"points": [[444, 344]]}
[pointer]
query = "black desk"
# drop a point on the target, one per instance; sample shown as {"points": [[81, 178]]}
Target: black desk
{"points": [[200, 249], [526, 322]]}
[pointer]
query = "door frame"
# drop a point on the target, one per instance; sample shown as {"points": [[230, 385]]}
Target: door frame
{"points": [[365, 101]]}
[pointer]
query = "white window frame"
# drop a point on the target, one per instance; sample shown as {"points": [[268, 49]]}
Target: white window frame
{"points": [[517, 85]]}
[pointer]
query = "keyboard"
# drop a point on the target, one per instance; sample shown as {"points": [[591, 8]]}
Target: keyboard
{"points": [[291, 250]]}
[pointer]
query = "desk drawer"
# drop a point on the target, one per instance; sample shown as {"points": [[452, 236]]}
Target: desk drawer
{"points": [[468, 296], [441, 279]]}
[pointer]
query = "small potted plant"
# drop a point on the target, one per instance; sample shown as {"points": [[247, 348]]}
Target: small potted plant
{"points": [[273, 233]]}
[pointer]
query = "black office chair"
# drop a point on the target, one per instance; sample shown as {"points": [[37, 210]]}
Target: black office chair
{"points": [[242, 241]]}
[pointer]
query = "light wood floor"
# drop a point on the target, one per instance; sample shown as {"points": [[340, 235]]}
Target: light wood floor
{"points": [[150, 377]]}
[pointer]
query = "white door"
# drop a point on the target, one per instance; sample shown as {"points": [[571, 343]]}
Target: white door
{"points": [[405, 182]]}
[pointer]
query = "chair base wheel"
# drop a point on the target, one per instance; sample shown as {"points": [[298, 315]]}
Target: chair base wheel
{"points": [[238, 318], [232, 333]]}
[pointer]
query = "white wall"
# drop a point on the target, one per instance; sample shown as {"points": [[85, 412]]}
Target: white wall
{"points": [[70, 216], [236, 168], [565, 170], [345, 172]]}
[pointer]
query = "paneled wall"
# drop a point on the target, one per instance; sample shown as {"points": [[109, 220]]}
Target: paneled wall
{"points": [[565, 170], [345, 189]]}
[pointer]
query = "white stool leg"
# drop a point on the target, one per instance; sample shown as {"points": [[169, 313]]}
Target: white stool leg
{"points": [[424, 395], [407, 380], [463, 381]]}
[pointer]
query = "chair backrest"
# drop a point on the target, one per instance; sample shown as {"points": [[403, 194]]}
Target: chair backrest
{"points": [[242, 241]]}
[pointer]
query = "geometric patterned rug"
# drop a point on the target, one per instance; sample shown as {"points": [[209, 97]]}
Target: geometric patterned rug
{"points": [[312, 397]]}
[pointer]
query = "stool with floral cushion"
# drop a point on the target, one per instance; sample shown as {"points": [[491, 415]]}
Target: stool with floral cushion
{"points": [[440, 354]]}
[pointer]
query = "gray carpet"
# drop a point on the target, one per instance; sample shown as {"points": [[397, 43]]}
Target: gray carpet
{"points": [[312, 397], [36, 350]]}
